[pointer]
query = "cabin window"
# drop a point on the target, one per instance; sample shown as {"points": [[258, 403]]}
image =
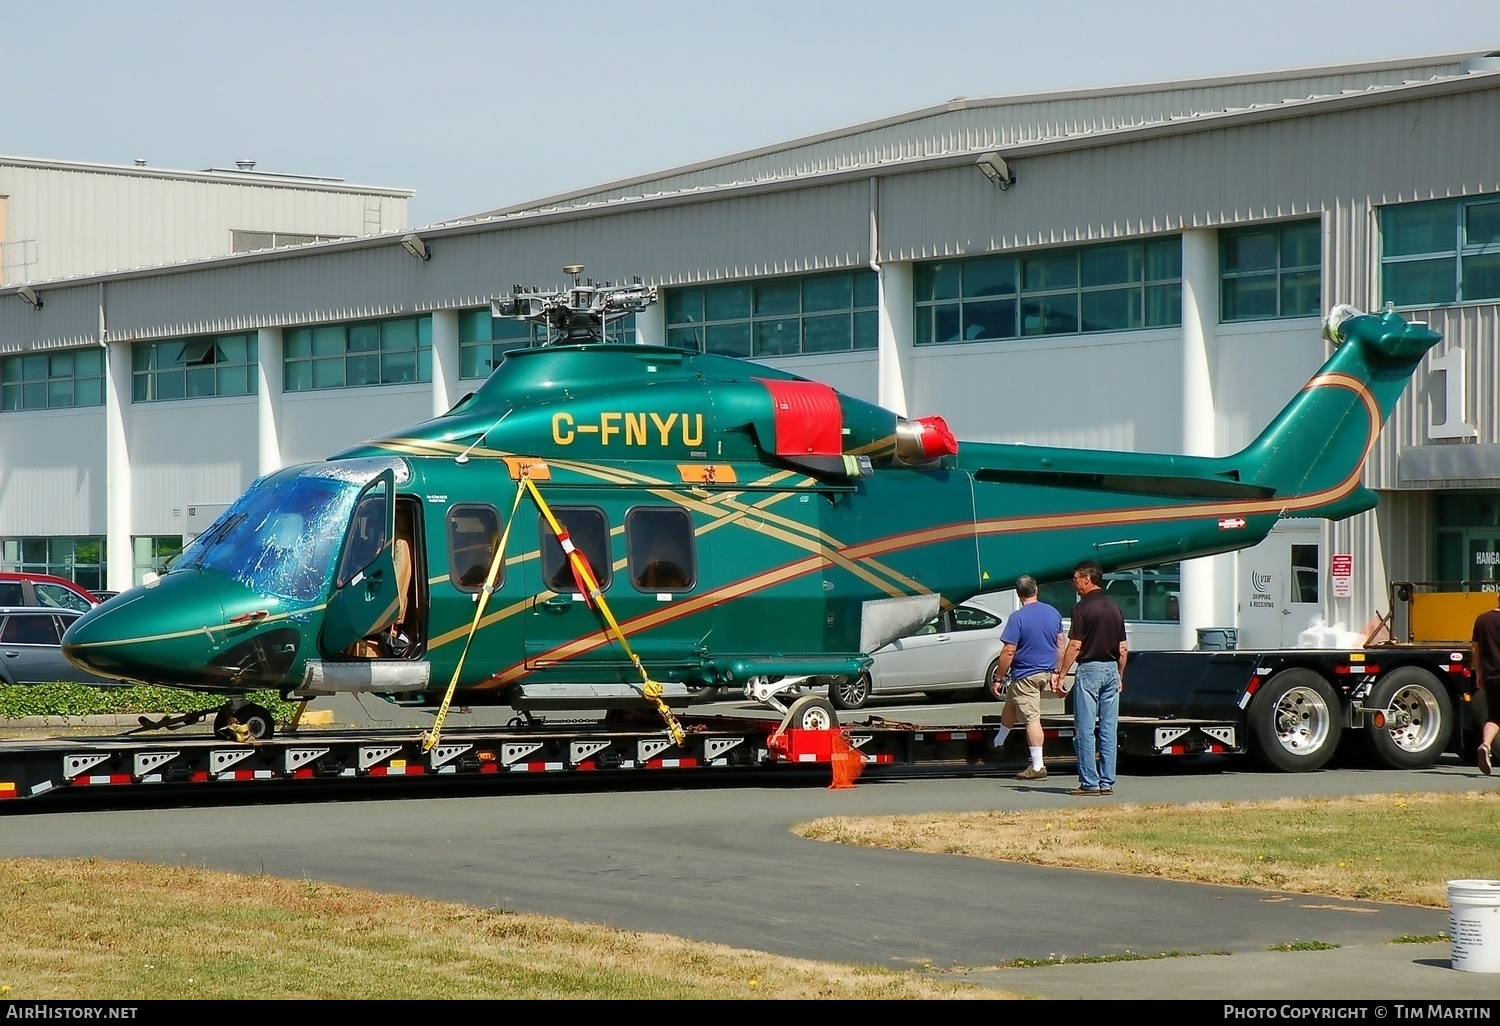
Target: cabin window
{"points": [[194, 368], [660, 546], [1445, 251], [55, 380], [1272, 270], [367, 534], [589, 530], [473, 536], [1116, 286], [967, 618], [820, 313]]}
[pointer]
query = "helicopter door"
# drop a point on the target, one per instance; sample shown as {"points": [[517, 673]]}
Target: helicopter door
{"points": [[364, 597]]}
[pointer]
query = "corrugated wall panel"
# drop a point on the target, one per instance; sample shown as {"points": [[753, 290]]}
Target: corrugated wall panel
{"points": [[52, 479], [188, 452], [1015, 391], [1390, 543], [1476, 330], [1140, 187], [87, 221], [315, 425], [984, 123]]}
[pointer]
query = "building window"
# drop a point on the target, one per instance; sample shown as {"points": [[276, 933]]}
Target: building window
{"points": [[1118, 286], [1271, 270], [1446, 251], [390, 352], [52, 381], [79, 559], [1147, 595], [246, 241], [823, 313], [153, 553], [194, 368], [483, 339]]}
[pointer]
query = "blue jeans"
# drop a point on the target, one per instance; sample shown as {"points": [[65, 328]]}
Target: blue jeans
{"points": [[1096, 703]]}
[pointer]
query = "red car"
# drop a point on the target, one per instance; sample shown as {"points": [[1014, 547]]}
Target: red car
{"points": [[23, 589]]}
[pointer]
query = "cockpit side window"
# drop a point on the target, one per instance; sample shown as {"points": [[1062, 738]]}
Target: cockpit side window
{"points": [[473, 535], [588, 528], [367, 533], [659, 544]]}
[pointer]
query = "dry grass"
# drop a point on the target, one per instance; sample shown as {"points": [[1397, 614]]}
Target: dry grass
{"points": [[92, 929], [1395, 847]]}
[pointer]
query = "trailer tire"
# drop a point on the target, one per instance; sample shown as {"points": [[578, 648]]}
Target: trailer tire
{"points": [[1423, 719], [1295, 722], [849, 692]]}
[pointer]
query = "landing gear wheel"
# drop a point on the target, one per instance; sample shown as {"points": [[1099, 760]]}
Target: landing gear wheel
{"points": [[259, 719], [811, 712], [849, 692], [1294, 722], [1419, 719]]}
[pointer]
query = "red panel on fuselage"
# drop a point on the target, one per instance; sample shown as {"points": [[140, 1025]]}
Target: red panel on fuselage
{"points": [[809, 421]]}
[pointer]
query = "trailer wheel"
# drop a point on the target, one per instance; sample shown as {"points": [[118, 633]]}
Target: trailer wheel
{"points": [[811, 712], [1419, 715], [1294, 722], [849, 692]]}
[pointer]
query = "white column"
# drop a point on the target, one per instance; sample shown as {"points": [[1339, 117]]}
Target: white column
{"points": [[445, 361], [268, 385], [651, 325], [894, 351], [1200, 319], [120, 574]]}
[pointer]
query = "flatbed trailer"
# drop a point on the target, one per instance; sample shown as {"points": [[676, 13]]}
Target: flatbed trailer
{"points": [[620, 746], [1397, 705]]}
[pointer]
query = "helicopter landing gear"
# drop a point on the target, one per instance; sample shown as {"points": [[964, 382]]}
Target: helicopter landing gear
{"points": [[769, 692], [256, 722]]}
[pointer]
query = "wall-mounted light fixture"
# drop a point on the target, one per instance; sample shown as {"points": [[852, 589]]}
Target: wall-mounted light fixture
{"points": [[414, 245], [27, 293], [997, 170]]}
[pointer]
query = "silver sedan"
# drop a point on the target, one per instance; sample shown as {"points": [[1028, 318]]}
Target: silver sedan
{"points": [[957, 650]]}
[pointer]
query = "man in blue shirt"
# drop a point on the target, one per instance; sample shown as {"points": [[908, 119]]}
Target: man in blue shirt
{"points": [[1034, 640]]}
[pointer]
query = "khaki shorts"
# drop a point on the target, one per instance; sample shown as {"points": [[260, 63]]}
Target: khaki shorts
{"points": [[1025, 695]]}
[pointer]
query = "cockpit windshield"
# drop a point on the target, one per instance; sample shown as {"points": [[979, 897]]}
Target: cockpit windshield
{"points": [[280, 538]]}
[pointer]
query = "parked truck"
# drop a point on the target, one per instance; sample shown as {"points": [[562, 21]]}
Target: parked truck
{"points": [[1401, 699]]}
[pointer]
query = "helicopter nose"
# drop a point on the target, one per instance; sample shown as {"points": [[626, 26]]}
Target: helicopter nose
{"points": [[154, 635]]}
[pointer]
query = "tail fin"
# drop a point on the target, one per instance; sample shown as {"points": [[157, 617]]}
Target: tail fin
{"points": [[1313, 454]]}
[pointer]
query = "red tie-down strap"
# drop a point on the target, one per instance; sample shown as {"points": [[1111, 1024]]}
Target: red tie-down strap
{"points": [[935, 437], [809, 420]]}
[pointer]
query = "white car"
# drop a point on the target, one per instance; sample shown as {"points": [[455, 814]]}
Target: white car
{"points": [[955, 651]]}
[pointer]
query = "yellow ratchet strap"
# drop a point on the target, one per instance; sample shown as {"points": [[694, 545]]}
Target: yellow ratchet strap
{"points": [[650, 689], [430, 739]]}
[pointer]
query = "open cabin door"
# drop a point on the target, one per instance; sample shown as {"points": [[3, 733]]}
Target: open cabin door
{"points": [[365, 591]]}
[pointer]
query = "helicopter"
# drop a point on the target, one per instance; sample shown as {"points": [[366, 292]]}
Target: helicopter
{"points": [[624, 526]]}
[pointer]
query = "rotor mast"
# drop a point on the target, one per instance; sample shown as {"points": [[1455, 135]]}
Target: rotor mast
{"points": [[582, 312]]}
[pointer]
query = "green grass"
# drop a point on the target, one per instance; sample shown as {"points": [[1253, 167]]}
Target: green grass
{"points": [[1127, 956], [1303, 946], [68, 699]]}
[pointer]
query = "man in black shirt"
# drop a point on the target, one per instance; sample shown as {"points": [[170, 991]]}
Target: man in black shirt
{"points": [[1485, 646], [1096, 641]]}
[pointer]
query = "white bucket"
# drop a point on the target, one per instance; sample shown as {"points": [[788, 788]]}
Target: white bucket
{"points": [[1474, 924]]}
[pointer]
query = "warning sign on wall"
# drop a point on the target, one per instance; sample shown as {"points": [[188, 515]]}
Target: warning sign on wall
{"points": [[1341, 574]]}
